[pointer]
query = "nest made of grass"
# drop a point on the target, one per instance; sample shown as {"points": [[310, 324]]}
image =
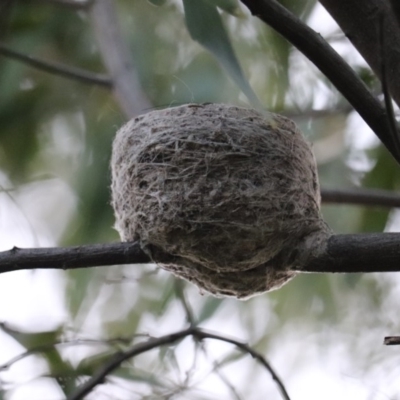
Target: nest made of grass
{"points": [[220, 195]]}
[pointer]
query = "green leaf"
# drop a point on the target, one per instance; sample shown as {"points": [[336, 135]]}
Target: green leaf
{"points": [[31, 340], [232, 357], [206, 27], [131, 374], [209, 308], [230, 6], [157, 2], [384, 175], [89, 365]]}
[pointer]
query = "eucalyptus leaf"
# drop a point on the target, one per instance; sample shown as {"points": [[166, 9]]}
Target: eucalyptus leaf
{"points": [[209, 308], [32, 340], [136, 375], [384, 175], [206, 27], [89, 365], [157, 2], [230, 6]]}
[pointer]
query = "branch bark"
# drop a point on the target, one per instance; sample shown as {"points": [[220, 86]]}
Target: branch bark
{"points": [[396, 10], [360, 196], [55, 68], [356, 253], [72, 257], [329, 62], [359, 253], [359, 20]]}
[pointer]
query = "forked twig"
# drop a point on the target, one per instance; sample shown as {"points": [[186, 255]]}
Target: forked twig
{"points": [[55, 68], [170, 339], [180, 293]]}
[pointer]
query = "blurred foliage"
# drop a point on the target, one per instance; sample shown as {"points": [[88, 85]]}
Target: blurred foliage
{"points": [[205, 25], [52, 127], [383, 175]]}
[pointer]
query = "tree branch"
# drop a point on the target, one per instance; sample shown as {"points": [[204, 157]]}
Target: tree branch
{"points": [[72, 257], [359, 20], [117, 58], [324, 57], [393, 129], [202, 334], [391, 340], [358, 253], [170, 339], [395, 5], [77, 74], [366, 197], [217, 370], [191, 320]]}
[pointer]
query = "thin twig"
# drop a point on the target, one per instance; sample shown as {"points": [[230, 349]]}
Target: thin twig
{"points": [[201, 334], [55, 68], [180, 294], [217, 370], [361, 196], [120, 357], [170, 339], [329, 62], [393, 128]]}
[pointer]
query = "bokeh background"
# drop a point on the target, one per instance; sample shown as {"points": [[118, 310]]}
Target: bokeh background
{"points": [[322, 333]]}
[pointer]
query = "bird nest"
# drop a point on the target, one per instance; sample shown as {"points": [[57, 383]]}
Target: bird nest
{"points": [[225, 197]]}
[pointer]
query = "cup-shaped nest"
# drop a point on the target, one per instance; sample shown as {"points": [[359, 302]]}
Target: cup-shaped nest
{"points": [[223, 196]]}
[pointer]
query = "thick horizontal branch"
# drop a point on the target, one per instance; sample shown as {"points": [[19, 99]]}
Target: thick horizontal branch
{"points": [[72, 257], [391, 340], [74, 73], [329, 62], [367, 197], [358, 253], [170, 339], [375, 252]]}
